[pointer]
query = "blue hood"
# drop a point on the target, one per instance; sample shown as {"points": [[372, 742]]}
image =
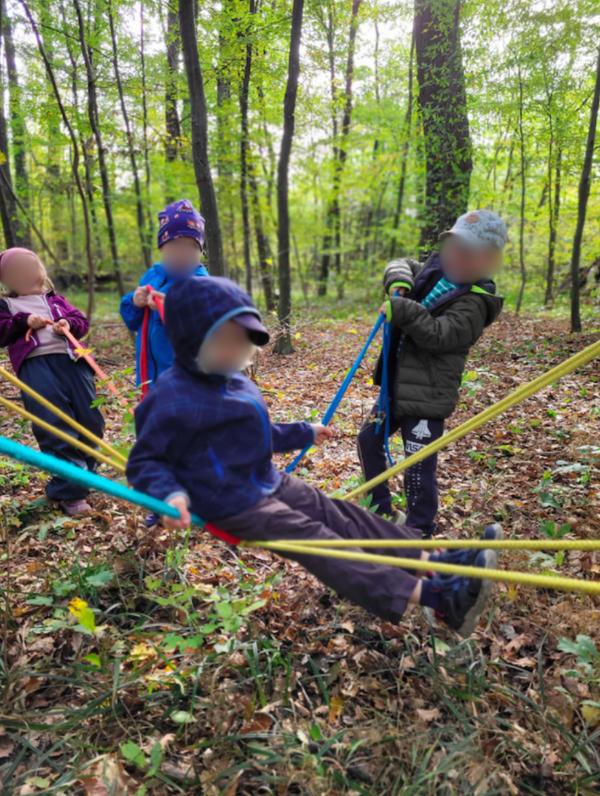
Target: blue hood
{"points": [[195, 307]]}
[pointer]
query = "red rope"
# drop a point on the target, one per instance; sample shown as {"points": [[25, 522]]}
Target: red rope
{"points": [[222, 535]]}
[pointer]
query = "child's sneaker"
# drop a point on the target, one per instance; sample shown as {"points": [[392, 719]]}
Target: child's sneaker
{"points": [[76, 508], [467, 556], [462, 600]]}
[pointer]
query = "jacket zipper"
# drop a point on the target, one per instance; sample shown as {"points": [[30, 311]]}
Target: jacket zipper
{"points": [[60, 315]]}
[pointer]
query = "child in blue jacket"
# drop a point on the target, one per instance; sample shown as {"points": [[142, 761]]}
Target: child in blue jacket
{"points": [[205, 444], [181, 242]]}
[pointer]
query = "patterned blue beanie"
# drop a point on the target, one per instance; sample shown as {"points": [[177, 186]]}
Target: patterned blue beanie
{"points": [[180, 220]]}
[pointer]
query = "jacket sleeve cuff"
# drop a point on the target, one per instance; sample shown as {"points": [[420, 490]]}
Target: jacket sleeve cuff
{"points": [[398, 286], [178, 493]]}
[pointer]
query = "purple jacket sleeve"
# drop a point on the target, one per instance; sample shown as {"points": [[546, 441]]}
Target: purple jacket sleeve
{"points": [[12, 327], [77, 321], [291, 436]]}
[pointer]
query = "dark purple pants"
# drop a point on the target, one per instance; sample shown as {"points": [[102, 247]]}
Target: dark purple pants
{"points": [[420, 482], [299, 511]]}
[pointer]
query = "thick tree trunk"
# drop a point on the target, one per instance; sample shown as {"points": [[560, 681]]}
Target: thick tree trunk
{"points": [[144, 106], [94, 119], [187, 24], [405, 148], [584, 194], [283, 344], [443, 107], [141, 221], [75, 156]]}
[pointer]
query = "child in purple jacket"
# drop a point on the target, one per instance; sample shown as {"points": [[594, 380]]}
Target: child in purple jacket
{"points": [[44, 360]]}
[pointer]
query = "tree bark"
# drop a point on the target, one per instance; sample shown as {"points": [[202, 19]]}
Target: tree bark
{"points": [[75, 156], [283, 344], [553, 217], [584, 194], [405, 148], [141, 221], [21, 184], [443, 107], [244, 144], [208, 199], [522, 266], [265, 257], [172, 125], [94, 119]]}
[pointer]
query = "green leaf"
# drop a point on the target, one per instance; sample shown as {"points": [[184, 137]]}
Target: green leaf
{"points": [[133, 753], [156, 756], [94, 659], [99, 579], [181, 717]]}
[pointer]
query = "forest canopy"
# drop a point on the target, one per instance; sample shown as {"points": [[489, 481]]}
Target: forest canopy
{"points": [[97, 133]]}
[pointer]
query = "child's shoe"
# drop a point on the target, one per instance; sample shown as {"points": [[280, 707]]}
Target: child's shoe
{"points": [[462, 600], [467, 557], [76, 508]]}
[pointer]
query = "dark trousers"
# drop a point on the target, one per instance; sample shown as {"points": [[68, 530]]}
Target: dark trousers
{"points": [[420, 481], [299, 511], [70, 386]]}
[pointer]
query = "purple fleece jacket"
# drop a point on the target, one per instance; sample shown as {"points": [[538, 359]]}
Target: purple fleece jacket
{"points": [[13, 328]]}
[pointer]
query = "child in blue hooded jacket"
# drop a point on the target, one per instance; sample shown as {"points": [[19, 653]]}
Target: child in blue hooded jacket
{"points": [[181, 243], [205, 444]]}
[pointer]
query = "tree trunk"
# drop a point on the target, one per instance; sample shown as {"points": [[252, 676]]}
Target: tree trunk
{"points": [[265, 257], [443, 107], [141, 221], [522, 265], [144, 106], [283, 344], [95, 125], [405, 147], [553, 216], [584, 194], [334, 215], [75, 156], [208, 199], [244, 143], [21, 186], [172, 125]]}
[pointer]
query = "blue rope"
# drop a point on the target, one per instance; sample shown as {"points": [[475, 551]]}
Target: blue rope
{"points": [[331, 409], [384, 404]]}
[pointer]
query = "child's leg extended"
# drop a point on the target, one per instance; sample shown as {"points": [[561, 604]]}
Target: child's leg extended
{"points": [[371, 453], [382, 590], [420, 481], [44, 375]]}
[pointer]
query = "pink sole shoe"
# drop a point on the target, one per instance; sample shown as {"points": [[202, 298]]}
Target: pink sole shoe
{"points": [[76, 508]]}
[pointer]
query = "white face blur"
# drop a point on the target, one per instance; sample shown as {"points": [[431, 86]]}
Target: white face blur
{"points": [[180, 255], [23, 275], [463, 264], [228, 350]]}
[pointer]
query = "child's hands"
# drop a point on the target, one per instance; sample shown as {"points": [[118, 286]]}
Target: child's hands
{"points": [[152, 296], [62, 326], [36, 322], [141, 297], [180, 502], [321, 433]]}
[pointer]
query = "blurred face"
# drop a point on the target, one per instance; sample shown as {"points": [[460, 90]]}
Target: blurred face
{"points": [[228, 350], [23, 275], [181, 255], [463, 264]]}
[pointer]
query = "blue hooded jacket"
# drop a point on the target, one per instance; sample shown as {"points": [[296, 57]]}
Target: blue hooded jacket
{"points": [[205, 435], [160, 353]]}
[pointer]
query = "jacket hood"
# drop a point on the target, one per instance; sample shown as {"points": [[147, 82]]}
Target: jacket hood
{"points": [[195, 308]]}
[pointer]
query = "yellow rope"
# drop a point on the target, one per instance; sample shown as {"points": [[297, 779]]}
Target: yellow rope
{"points": [[63, 416], [76, 443], [520, 394], [453, 544], [506, 576]]}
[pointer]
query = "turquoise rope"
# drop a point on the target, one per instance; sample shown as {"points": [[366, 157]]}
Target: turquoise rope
{"points": [[70, 472]]}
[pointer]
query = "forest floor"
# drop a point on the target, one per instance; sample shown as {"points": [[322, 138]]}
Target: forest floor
{"points": [[203, 670]]}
